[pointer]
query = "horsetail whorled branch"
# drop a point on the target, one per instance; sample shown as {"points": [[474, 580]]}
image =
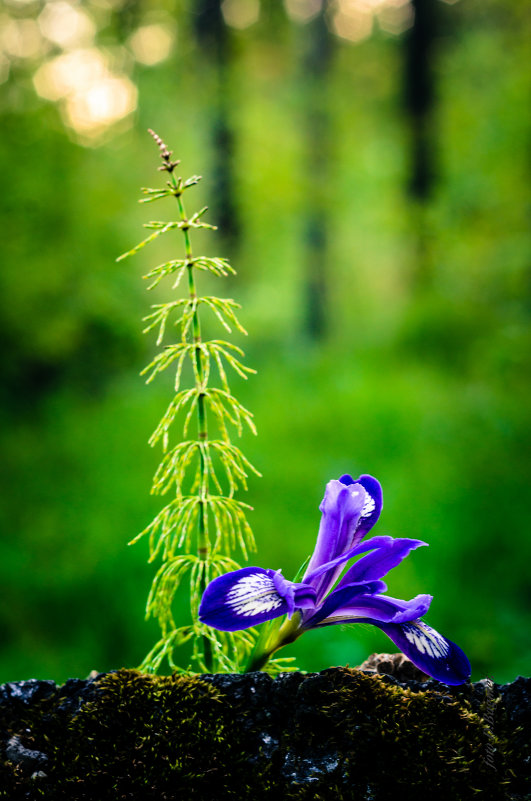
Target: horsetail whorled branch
{"points": [[201, 526]]}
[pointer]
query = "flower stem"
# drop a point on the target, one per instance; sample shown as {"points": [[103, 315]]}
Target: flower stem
{"points": [[262, 653]]}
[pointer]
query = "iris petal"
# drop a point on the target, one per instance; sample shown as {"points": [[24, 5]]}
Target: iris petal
{"points": [[341, 509], [351, 602], [252, 595], [388, 554], [349, 509], [428, 650], [373, 543], [241, 599], [373, 503]]}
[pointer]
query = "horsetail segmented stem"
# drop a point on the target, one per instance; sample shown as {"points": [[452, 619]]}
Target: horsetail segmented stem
{"points": [[198, 530]]}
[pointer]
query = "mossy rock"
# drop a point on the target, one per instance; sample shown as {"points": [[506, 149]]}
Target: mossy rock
{"points": [[337, 735]]}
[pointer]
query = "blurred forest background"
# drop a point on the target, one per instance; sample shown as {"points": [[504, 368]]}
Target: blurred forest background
{"points": [[367, 162]]}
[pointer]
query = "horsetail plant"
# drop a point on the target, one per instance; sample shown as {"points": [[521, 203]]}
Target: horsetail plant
{"points": [[203, 523]]}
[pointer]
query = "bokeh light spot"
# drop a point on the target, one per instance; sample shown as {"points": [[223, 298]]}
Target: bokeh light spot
{"points": [[396, 18], [65, 25], [152, 44], [352, 21], [21, 38], [71, 72], [93, 97], [98, 106], [240, 13]]}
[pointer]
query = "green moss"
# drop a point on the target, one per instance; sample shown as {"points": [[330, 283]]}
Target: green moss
{"points": [[394, 742], [151, 736], [334, 736]]}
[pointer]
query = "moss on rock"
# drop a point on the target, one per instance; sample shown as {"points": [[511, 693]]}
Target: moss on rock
{"points": [[342, 734]]}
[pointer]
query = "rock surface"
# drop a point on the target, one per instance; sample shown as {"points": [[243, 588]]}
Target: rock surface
{"points": [[339, 734]]}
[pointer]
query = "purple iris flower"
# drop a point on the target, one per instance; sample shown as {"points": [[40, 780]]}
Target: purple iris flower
{"points": [[350, 508]]}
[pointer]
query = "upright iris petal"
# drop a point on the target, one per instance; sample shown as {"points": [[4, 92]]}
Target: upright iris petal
{"points": [[348, 512], [373, 503]]}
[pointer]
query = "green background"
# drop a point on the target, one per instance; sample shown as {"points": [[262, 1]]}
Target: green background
{"points": [[419, 374]]}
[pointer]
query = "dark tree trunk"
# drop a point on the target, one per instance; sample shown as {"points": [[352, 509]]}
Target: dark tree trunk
{"points": [[420, 97], [213, 38], [317, 65]]}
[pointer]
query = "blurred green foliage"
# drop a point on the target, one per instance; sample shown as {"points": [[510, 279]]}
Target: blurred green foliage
{"points": [[421, 378]]}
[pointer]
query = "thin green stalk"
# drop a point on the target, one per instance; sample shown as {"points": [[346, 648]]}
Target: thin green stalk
{"points": [[203, 544]]}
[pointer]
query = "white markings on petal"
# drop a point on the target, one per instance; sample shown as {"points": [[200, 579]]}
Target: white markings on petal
{"points": [[369, 506], [253, 594], [426, 639]]}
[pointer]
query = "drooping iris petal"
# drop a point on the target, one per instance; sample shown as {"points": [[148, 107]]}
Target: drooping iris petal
{"points": [[341, 508], [252, 595], [351, 602], [373, 503], [428, 650], [388, 554]]}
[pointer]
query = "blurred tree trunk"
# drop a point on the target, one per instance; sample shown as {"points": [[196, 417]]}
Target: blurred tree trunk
{"points": [[317, 67], [214, 40], [420, 97]]}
